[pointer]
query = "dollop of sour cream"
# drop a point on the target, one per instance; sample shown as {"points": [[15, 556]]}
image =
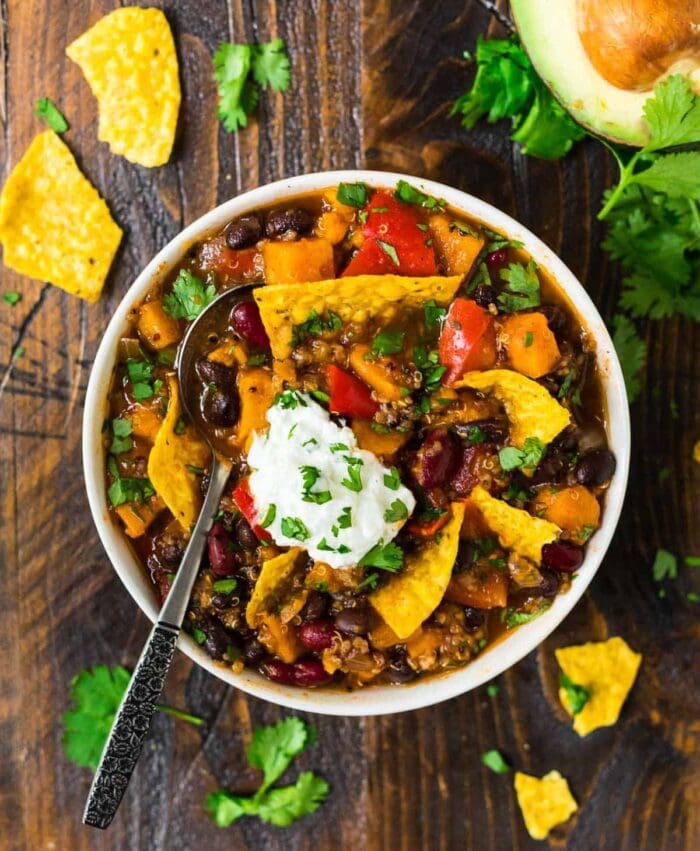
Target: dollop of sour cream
{"points": [[314, 487]]}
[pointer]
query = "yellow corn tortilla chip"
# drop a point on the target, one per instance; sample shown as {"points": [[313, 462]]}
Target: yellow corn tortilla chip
{"points": [[516, 529], [607, 670], [129, 60], [411, 596], [274, 573], [354, 299], [53, 224], [544, 802], [530, 407], [169, 462]]}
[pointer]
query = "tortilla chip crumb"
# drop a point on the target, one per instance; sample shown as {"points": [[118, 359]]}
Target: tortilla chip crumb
{"points": [[696, 451], [544, 802], [128, 58], [53, 224], [607, 670]]}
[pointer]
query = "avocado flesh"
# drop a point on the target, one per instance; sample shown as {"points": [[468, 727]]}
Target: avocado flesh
{"points": [[548, 31]]}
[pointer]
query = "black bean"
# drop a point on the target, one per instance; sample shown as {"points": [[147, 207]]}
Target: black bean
{"points": [[243, 232], [217, 639], [556, 318], [253, 651], [171, 554], [474, 618], [221, 601], [220, 407], [485, 295], [212, 372], [466, 555], [567, 440], [549, 470], [355, 621], [294, 219], [549, 585], [399, 671], [595, 467], [315, 608], [245, 536]]}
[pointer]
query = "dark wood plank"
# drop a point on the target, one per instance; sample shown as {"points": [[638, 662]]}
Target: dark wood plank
{"points": [[372, 85]]}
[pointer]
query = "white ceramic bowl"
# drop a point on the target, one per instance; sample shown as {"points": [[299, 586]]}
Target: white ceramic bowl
{"points": [[374, 700]]}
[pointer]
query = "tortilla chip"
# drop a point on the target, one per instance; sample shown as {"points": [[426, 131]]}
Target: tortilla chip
{"points": [[607, 669], [274, 573], [169, 462], [354, 299], [516, 529], [544, 802], [53, 224], [129, 60], [530, 407], [411, 596]]}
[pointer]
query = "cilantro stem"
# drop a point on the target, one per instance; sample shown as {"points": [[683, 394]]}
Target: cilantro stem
{"points": [[178, 713], [626, 176]]}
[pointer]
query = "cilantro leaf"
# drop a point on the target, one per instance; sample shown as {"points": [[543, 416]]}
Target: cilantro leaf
{"points": [[352, 194], [522, 287], [11, 298], [512, 458], [494, 760], [231, 68], [273, 748], [270, 65], [293, 527], [665, 566], [512, 618], [576, 696], [284, 806], [672, 114], [675, 174], [96, 694], [45, 108], [631, 350], [384, 556], [388, 342], [410, 195], [398, 510], [121, 440], [224, 808], [314, 325], [392, 479], [507, 86], [189, 296]]}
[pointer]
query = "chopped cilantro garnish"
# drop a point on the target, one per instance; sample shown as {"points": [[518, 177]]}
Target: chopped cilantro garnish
{"points": [[121, 441], [522, 287], [383, 556], [529, 339], [494, 761], [290, 400], [45, 108], [396, 511], [320, 396], [339, 447], [257, 360], [310, 475], [512, 618], [434, 314], [529, 456], [180, 425], [11, 298], [352, 194], [492, 690], [390, 251], [665, 566], [315, 325], [269, 517], [392, 480], [475, 434], [189, 296], [127, 489], [353, 481], [576, 696], [388, 342], [692, 561], [225, 586], [410, 195], [293, 527], [344, 521]]}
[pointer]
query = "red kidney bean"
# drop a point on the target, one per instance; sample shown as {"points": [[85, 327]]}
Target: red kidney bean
{"points": [[437, 458], [246, 321], [549, 585], [562, 556], [595, 467], [317, 635], [278, 672], [310, 672], [353, 621], [222, 557], [496, 259], [467, 473]]}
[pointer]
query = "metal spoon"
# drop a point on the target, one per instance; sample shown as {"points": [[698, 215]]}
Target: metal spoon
{"points": [[133, 718]]}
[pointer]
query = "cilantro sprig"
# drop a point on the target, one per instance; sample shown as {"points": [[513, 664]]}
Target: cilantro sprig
{"points": [[272, 751], [240, 71], [507, 86], [127, 489], [45, 108], [512, 458], [522, 289], [96, 694], [189, 296]]}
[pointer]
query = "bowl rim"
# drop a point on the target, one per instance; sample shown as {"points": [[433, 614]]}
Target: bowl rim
{"points": [[378, 699]]}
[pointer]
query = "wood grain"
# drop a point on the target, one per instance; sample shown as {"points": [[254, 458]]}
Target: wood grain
{"points": [[372, 85]]}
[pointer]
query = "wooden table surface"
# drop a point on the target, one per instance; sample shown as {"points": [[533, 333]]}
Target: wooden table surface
{"points": [[372, 87]]}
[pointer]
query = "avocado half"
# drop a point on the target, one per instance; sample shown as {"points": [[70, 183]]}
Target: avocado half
{"points": [[602, 58]]}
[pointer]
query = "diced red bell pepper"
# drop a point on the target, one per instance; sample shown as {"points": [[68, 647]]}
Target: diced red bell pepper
{"points": [[246, 505], [394, 224], [349, 396], [429, 528], [467, 341]]}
